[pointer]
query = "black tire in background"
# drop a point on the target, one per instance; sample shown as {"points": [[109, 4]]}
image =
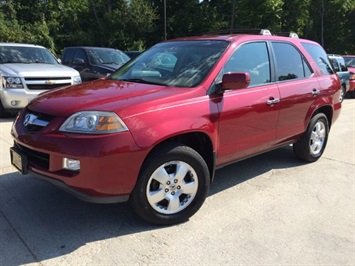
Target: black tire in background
{"points": [[311, 145], [172, 185], [3, 113]]}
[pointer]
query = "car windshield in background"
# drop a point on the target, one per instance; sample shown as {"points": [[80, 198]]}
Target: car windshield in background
{"points": [[107, 56], [179, 63], [349, 61], [26, 55]]}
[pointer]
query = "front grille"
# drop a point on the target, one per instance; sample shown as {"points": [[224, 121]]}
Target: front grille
{"points": [[45, 86], [47, 78], [35, 127], [47, 83], [37, 159]]}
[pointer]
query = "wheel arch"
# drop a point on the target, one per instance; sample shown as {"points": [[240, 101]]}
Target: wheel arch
{"points": [[198, 141], [327, 111]]}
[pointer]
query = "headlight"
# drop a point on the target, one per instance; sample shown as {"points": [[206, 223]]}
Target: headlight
{"points": [[11, 82], [76, 80], [93, 122]]}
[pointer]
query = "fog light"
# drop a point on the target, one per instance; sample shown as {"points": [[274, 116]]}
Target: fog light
{"points": [[14, 103], [71, 164]]}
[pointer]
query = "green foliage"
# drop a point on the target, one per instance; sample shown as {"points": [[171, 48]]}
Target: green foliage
{"points": [[138, 24]]}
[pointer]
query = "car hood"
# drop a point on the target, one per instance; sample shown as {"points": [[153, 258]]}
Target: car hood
{"points": [[104, 95], [37, 70]]}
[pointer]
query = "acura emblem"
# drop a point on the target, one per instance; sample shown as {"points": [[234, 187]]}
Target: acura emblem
{"points": [[29, 118]]}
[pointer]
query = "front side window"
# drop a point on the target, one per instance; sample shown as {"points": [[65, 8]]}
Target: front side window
{"points": [[80, 57], [342, 64], [179, 63], [252, 58], [335, 64], [290, 64], [320, 57]]}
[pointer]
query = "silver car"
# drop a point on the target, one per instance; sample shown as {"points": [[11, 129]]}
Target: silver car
{"points": [[26, 70]]}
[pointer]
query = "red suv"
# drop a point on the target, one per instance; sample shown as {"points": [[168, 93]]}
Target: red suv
{"points": [[155, 131]]}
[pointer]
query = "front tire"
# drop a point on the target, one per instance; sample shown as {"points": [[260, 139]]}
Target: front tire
{"points": [[3, 112], [311, 145], [172, 185]]}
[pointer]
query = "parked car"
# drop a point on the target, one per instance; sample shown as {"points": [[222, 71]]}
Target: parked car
{"points": [[93, 62], [132, 54], [350, 63], [27, 70], [155, 131], [341, 69]]}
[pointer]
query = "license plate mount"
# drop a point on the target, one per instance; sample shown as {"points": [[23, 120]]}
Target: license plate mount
{"points": [[19, 160]]}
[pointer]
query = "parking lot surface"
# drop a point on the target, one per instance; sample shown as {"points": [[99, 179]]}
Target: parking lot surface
{"points": [[270, 209]]}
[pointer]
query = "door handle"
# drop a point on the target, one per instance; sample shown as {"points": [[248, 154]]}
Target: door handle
{"points": [[315, 92], [273, 101]]}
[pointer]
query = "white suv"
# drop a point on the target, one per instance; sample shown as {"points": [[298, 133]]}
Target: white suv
{"points": [[27, 70]]}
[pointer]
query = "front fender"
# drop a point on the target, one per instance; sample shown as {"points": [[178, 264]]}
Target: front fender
{"points": [[151, 128]]}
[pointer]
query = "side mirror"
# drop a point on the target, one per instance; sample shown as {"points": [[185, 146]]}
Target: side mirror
{"points": [[78, 61], [59, 61], [235, 81]]}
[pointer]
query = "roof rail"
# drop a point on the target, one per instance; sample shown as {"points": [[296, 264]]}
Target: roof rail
{"points": [[240, 31], [287, 34]]}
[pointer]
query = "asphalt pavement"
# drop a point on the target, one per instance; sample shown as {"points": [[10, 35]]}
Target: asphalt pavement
{"points": [[268, 210]]}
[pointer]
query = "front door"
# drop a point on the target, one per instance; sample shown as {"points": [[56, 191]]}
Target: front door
{"points": [[248, 117]]}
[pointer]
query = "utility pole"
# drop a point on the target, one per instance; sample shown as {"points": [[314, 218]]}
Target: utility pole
{"points": [[164, 19], [233, 14], [322, 23]]}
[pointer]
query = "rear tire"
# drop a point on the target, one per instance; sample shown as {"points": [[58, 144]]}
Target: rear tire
{"points": [[311, 145], [172, 185]]}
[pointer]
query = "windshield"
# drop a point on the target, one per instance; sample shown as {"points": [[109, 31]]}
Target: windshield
{"points": [[180, 63], [107, 56], [350, 61], [26, 55]]}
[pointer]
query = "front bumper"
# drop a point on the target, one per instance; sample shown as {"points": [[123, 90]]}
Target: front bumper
{"points": [[15, 99], [109, 164]]}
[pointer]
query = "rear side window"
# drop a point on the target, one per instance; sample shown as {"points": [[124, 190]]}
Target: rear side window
{"points": [[252, 58], [320, 57], [290, 64], [68, 56]]}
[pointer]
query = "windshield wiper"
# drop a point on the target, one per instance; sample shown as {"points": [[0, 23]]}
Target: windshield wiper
{"points": [[111, 63], [138, 80], [16, 62]]}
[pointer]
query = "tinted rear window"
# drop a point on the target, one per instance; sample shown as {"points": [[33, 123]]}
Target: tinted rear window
{"points": [[320, 57]]}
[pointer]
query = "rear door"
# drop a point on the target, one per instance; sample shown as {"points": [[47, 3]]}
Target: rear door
{"points": [[298, 87]]}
